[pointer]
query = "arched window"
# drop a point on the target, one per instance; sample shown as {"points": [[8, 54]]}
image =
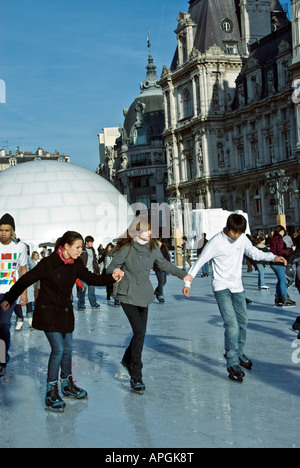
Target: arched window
{"points": [[187, 103]]}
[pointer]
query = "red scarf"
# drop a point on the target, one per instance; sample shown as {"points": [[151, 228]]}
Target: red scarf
{"points": [[67, 261]]}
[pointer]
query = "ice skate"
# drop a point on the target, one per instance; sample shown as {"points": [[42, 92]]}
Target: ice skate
{"points": [[70, 390], [53, 401], [278, 300], [245, 362], [235, 373], [296, 327], [287, 302], [19, 325], [137, 386]]}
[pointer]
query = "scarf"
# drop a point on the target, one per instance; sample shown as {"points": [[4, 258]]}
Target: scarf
{"points": [[140, 241], [67, 261]]}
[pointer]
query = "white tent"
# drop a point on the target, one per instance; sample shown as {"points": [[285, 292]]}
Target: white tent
{"points": [[209, 222], [47, 198]]}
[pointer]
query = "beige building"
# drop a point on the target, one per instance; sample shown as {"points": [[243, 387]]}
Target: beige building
{"points": [[9, 159], [231, 131]]}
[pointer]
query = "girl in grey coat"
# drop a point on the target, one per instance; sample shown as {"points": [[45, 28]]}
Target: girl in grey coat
{"points": [[135, 255]]}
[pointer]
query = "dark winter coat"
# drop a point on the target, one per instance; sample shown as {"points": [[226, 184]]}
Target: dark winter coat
{"points": [[84, 258], [53, 308], [290, 259], [277, 246]]}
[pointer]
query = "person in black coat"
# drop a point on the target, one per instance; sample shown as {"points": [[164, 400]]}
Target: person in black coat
{"points": [[295, 256], [53, 312]]}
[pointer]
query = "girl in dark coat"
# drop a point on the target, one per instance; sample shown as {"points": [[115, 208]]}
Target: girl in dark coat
{"points": [[53, 312]]}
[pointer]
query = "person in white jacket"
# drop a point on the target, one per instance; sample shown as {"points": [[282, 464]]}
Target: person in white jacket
{"points": [[226, 250]]}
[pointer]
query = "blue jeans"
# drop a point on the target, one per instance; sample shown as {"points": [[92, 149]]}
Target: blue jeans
{"points": [[233, 310], [61, 355], [261, 275], [91, 295], [5, 325], [280, 272]]}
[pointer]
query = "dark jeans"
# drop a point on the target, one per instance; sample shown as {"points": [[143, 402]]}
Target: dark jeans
{"points": [[162, 279], [61, 355], [137, 317], [5, 324]]}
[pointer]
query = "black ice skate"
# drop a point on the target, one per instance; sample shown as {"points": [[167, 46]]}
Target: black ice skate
{"points": [[245, 362], [287, 302], [296, 327], [53, 401], [70, 390], [235, 373], [137, 386]]}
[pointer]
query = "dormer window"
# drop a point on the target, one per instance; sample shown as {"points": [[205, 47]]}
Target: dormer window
{"points": [[231, 47], [13, 162]]}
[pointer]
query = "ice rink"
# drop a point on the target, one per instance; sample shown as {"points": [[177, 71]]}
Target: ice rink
{"points": [[189, 401]]}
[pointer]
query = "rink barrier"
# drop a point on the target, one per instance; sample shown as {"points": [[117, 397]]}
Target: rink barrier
{"points": [[173, 255]]}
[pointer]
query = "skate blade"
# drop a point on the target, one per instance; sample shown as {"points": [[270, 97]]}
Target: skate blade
{"points": [[138, 392], [71, 397], [55, 410], [235, 379]]}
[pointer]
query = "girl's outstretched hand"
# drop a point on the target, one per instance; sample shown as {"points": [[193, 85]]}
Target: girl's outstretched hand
{"points": [[117, 275], [186, 291]]}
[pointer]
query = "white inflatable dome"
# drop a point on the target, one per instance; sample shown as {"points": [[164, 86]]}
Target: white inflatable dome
{"points": [[47, 198]]}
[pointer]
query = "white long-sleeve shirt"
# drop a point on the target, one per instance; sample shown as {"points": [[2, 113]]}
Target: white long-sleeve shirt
{"points": [[227, 261]]}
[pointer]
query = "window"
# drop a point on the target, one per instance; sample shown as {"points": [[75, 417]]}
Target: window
{"points": [[231, 47], [257, 199], [187, 103], [242, 159], [140, 136], [270, 148], [226, 25], [287, 145], [255, 153], [13, 161]]}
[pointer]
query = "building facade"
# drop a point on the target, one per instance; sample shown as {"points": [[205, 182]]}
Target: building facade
{"points": [[136, 164], [10, 159], [231, 131]]}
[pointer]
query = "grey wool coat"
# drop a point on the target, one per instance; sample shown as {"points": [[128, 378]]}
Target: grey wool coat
{"points": [[137, 261]]}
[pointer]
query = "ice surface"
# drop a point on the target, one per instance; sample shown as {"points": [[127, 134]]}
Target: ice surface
{"points": [[189, 401]]}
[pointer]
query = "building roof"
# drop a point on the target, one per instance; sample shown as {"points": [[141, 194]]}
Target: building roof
{"points": [[151, 107], [209, 17]]}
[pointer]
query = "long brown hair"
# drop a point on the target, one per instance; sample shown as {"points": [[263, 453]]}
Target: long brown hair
{"points": [[138, 225]]}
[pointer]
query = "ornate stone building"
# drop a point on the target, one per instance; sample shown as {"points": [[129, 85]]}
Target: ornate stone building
{"points": [[230, 124], [136, 165]]}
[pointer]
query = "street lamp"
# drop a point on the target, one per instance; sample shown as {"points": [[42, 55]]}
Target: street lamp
{"points": [[279, 185]]}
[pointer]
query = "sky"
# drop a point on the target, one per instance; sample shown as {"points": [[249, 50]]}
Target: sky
{"points": [[70, 67]]}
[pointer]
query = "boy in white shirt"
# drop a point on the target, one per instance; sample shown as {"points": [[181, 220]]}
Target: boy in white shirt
{"points": [[13, 255], [226, 250]]}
